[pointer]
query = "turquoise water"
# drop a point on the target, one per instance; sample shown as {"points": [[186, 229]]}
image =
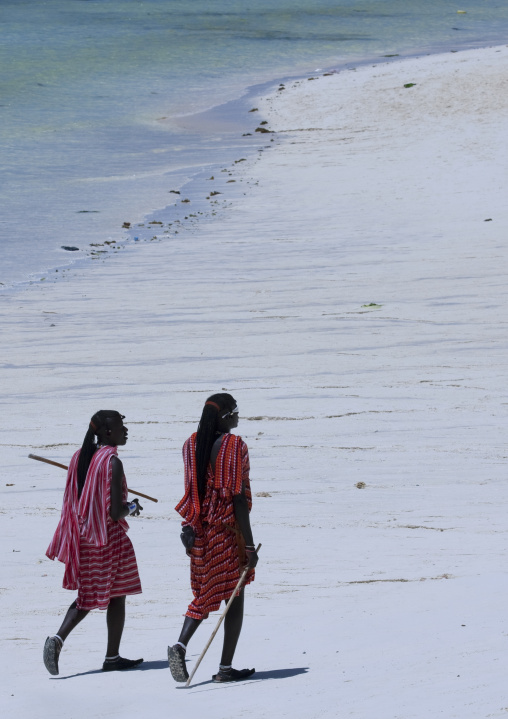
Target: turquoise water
{"points": [[89, 90]]}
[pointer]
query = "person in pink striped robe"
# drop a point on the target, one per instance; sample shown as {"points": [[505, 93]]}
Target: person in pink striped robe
{"points": [[91, 539]]}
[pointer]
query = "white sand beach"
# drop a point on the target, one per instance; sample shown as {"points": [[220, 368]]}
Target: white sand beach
{"points": [[352, 297]]}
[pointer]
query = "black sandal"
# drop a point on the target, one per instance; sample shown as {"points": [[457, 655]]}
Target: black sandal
{"points": [[232, 675], [119, 664]]}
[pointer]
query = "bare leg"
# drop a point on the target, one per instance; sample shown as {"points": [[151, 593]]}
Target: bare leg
{"points": [[176, 653], [72, 619], [115, 619], [189, 627], [232, 628], [53, 645]]}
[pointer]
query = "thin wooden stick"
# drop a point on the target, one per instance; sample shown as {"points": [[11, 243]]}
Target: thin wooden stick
{"points": [[63, 466], [240, 582], [140, 494], [48, 461]]}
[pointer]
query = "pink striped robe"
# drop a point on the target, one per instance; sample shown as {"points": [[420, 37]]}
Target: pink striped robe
{"points": [[99, 557], [219, 550]]}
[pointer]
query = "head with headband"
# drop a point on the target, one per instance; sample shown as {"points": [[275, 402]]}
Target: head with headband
{"points": [[223, 412], [107, 425], [219, 416]]}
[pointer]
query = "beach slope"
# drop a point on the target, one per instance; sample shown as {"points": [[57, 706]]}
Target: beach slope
{"points": [[352, 298]]}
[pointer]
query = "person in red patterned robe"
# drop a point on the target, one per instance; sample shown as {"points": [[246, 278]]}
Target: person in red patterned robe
{"points": [[91, 539], [216, 530]]}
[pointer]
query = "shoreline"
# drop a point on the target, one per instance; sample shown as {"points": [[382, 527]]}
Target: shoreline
{"points": [[218, 118]]}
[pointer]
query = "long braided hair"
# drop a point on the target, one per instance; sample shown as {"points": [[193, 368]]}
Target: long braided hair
{"points": [[89, 446], [215, 407]]}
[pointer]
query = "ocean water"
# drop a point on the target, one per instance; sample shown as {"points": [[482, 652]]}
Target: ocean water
{"points": [[91, 92]]}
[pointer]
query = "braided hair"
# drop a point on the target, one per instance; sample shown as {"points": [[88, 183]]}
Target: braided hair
{"points": [[208, 428], [98, 422]]}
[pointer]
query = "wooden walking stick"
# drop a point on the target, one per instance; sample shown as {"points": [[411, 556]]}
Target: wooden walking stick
{"points": [[63, 466], [240, 582]]}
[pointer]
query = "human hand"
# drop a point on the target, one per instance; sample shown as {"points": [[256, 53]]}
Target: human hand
{"points": [[251, 556], [188, 538], [135, 508]]}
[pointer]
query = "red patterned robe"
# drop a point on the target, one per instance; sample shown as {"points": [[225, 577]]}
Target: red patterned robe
{"points": [[98, 555], [219, 550]]}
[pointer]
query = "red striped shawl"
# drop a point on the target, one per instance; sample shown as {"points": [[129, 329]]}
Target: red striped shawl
{"points": [[227, 477], [87, 517]]}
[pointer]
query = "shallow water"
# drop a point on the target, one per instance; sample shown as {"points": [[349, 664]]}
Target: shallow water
{"points": [[89, 90]]}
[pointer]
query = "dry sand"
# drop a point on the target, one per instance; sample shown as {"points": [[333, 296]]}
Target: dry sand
{"points": [[378, 602]]}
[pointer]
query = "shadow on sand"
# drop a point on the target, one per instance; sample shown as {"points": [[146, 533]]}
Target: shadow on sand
{"points": [[145, 667], [257, 677]]}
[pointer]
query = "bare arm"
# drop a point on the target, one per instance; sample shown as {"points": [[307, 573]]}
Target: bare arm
{"points": [[241, 508], [118, 509]]}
